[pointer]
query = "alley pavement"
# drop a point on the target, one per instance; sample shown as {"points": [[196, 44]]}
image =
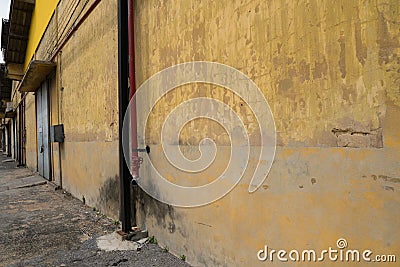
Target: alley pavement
{"points": [[42, 226]]}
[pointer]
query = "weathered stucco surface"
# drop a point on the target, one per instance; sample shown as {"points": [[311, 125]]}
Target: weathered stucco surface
{"points": [[89, 110], [330, 72], [31, 135], [83, 96]]}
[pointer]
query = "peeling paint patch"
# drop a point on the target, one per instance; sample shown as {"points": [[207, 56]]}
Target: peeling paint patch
{"points": [[320, 69], [285, 84], [361, 48], [313, 181], [304, 71], [385, 42], [388, 188], [342, 57], [357, 139], [384, 178]]}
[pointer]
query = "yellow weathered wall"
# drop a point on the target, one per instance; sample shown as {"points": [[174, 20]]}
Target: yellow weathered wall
{"points": [[40, 18], [322, 65], [31, 133], [55, 120], [89, 110], [83, 96]]}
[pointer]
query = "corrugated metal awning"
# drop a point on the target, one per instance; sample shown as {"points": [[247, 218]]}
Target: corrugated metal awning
{"points": [[35, 74], [15, 33]]}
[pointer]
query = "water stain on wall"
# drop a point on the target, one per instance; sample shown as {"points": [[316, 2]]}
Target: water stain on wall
{"points": [[108, 200]]}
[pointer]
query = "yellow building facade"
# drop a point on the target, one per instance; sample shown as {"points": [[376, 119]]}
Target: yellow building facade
{"points": [[81, 96], [330, 73]]}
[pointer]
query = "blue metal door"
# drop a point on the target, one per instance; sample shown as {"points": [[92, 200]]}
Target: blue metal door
{"points": [[43, 130]]}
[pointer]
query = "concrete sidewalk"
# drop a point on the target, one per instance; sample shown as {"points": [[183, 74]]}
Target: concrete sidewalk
{"points": [[41, 226]]}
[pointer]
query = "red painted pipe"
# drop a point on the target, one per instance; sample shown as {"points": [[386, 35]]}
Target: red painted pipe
{"points": [[75, 28], [132, 86]]}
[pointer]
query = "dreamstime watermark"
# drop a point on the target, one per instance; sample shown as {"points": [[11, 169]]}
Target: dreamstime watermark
{"points": [[338, 254], [165, 81]]}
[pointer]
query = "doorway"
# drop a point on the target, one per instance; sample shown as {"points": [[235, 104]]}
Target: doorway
{"points": [[42, 110], [21, 134]]}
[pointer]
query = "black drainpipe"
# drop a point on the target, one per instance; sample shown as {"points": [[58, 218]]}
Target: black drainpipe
{"points": [[123, 101]]}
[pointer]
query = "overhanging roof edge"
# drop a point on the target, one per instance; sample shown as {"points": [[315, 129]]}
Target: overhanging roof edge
{"points": [[35, 74]]}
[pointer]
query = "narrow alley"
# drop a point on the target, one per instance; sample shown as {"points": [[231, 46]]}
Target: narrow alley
{"points": [[206, 132], [43, 226]]}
